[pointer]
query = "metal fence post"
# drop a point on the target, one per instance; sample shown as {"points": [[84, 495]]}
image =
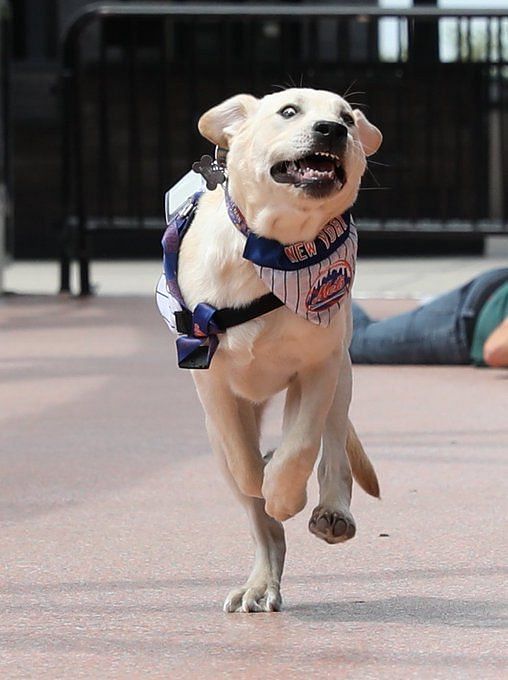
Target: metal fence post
{"points": [[5, 142]]}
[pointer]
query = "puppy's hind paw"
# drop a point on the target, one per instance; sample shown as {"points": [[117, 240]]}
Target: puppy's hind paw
{"points": [[263, 598], [332, 527]]}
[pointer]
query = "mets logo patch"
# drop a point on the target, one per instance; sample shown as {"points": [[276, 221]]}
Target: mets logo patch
{"points": [[330, 286]]}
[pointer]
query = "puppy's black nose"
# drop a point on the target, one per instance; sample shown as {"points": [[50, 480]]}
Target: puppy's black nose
{"points": [[329, 130]]}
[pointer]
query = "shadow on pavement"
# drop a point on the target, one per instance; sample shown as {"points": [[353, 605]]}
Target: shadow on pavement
{"points": [[412, 610]]}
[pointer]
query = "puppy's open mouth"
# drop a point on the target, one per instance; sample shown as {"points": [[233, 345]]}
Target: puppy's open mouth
{"points": [[319, 172]]}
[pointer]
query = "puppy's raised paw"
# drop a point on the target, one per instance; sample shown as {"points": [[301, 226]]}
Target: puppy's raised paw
{"points": [[332, 526]]}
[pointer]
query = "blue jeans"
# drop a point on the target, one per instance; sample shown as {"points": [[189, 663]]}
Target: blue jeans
{"points": [[439, 332]]}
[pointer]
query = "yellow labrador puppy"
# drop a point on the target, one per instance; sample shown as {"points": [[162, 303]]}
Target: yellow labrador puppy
{"points": [[281, 227]]}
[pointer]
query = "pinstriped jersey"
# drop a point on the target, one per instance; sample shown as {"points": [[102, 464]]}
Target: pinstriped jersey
{"points": [[310, 277], [315, 291]]}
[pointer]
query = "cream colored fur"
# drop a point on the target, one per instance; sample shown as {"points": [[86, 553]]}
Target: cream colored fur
{"points": [[278, 351]]}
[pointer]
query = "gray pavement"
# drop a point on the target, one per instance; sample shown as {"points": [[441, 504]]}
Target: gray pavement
{"points": [[393, 277], [120, 541]]}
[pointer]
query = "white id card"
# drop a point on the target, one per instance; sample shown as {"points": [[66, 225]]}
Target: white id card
{"points": [[180, 192]]}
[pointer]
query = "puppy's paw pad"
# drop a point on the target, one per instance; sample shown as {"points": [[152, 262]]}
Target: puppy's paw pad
{"points": [[252, 600], [332, 527]]}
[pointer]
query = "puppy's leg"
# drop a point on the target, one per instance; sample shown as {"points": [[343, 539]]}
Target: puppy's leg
{"points": [[331, 520], [308, 400], [234, 424], [291, 405], [261, 591]]}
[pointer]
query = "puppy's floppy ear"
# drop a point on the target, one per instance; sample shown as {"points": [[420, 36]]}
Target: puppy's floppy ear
{"points": [[370, 136], [220, 123]]}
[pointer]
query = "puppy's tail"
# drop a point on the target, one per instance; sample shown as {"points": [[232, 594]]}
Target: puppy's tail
{"points": [[361, 467]]}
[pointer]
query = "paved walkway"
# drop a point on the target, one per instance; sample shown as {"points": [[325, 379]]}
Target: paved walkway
{"points": [[376, 277], [120, 541]]}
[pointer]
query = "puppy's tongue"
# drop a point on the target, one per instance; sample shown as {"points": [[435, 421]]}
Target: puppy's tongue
{"points": [[316, 166]]}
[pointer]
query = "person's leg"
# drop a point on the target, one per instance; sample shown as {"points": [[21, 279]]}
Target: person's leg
{"points": [[426, 335], [435, 333], [360, 317], [422, 336]]}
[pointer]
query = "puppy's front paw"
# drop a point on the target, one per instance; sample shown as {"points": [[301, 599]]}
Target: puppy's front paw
{"points": [[284, 492], [332, 526], [261, 597], [282, 509]]}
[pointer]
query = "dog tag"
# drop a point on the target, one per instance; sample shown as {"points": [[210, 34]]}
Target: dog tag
{"points": [[211, 172], [188, 185]]}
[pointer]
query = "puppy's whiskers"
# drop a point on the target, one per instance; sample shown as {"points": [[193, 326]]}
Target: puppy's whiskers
{"points": [[384, 165], [357, 153], [372, 175], [360, 105], [290, 83], [348, 89]]}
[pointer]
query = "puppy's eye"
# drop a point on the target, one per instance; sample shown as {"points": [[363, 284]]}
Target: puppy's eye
{"points": [[348, 119], [288, 111]]}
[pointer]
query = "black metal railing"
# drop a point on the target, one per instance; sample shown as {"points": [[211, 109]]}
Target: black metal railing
{"points": [[6, 222], [136, 77]]}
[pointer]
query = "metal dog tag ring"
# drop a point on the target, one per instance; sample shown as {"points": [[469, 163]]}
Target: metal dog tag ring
{"points": [[220, 156]]}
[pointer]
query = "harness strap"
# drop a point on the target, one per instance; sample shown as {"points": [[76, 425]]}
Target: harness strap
{"points": [[192, 353], [230, 316], [234, 316]]}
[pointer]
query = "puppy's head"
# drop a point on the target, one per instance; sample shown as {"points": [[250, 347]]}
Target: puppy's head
{"points": [[298, 150]]}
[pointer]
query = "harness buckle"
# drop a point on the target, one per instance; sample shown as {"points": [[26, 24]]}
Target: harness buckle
{"points": [[183, 320]]}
